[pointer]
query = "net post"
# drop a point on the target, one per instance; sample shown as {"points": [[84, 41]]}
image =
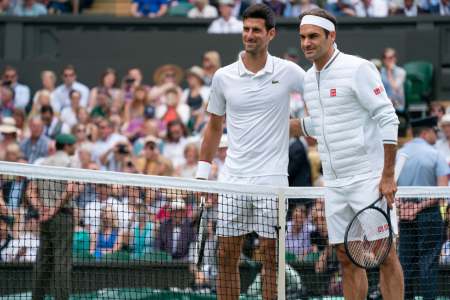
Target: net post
{"points": [[281, 277]]}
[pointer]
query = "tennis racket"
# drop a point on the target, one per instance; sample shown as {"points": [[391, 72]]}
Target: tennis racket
{"points": [[369, 236], [201, 233]]}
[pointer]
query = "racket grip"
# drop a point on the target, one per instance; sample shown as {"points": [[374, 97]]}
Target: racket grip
{"points": [[399, 164]]}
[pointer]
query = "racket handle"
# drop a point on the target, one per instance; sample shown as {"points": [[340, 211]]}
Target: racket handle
{"points": [[399, 164]]}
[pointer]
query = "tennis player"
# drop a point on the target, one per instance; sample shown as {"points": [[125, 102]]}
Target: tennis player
{"points": [[253, 93], [355, 125]]}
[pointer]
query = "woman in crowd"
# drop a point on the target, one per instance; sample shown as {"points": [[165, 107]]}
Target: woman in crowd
{"points": [[107, 240]]}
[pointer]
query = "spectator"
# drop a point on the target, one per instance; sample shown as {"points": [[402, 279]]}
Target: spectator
{"points": [[61, 97], [133, 115], [298, 233], [56, 7], [8, 131], [21, 123], [408, 9], [227, 23], [210, 64], [37, 145], [13, 188], [341, 8], [443, 144], [175, 142], [152, 162], [165, 77], [172, 109], [116, 158], [69, 113], [108, 84], [445, 252], [276, 5], [107, 140], [52, 124], [189, 168], [294, 8], [240, 6], [149, 8], [371, 8], [6, 101], [43, 98], [108, 238], [437, 110], [48, 80], [177, 233], [442, 8], [6, 8], [143, 232], [81, 239], [202, 9], [393, 78], [21, 91], [217, 170], [104, 106], [29, 8], [5, 236]]}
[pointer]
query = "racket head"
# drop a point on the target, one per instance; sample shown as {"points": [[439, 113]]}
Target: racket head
{"points": [[368, 237]]}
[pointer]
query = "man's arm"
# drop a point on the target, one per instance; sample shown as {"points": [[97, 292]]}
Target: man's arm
{"points": [[211, 140], [388, 186]]}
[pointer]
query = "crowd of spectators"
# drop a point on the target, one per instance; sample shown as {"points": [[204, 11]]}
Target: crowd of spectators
{"points": [[129, 125]]}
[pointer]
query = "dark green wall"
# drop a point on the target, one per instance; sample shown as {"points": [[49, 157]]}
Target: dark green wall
{"points": [[92, 43]]}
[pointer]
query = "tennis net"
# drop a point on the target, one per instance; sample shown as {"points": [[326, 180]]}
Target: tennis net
{"points": [[83, 234]]}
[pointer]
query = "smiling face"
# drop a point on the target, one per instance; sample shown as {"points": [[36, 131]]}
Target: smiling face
{"points": [[255, 36], [315, 43]]}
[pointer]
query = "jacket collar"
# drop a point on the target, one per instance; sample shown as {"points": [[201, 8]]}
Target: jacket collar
{"points": [[331, 60]]}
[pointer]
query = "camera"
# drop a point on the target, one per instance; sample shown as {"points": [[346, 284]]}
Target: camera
{"points": [[122, 149]]}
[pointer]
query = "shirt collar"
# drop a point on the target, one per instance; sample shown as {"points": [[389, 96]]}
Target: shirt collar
{"points": [[331, 60], [268, 68]]}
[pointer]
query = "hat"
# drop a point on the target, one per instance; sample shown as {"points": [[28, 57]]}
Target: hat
{"points": [[66, 139], [196, 71], [177, 204], [445, 120], [226, 2], [428, 122], [151, 139], [8, 125], [158, 76], [223, 141]]}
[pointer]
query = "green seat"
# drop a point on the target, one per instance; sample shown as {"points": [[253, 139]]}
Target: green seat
{"points": [[180, 10], [419, 82]]}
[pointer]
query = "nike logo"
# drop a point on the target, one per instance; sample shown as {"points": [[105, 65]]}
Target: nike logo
{"points": [[275, 81]]}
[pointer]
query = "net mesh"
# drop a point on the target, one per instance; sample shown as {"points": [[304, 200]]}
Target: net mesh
{"points": [[77, 234]]}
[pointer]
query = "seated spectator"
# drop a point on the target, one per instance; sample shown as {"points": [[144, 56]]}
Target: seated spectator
{"points": [[445, 252], [37, 145], [108, 85], [21, 91], [6, 8], [371, 8], [172, 109], [443, 144], [165, 77], [108, 139], [8, 135], [43, 98], [115, 158], [295, 8], [61, 97], [5, 235], [21, 123], [81, 134], [298, 233], [48, 81], [152, 162], [13, 188], [29, 8], [149, 8], [53, 126], [133, 115], [69, 113], [210, 64], [442, 8], [227, 23], [202, 9], [341, 8], [217, 168], [6, 101], [276, 5], [81, 240], [175, 142], [143, 234], [409, 8], [108, 239], [176, 233], [393, 78], [189, 168], [56, 7]]}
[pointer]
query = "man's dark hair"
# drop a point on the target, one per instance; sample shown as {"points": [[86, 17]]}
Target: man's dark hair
{"points": [[46, 109], [260, 11], [417, 131], [73, 92], [320, 13]]}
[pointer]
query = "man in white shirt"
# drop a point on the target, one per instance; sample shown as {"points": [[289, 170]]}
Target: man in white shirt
{"points": [[61, 97], [202, 9], [21, 91], [355, 125], [108, 140], [227, 23], [257, 115]]}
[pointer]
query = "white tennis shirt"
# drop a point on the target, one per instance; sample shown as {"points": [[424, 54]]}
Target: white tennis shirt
{"points": [[257, 114]]}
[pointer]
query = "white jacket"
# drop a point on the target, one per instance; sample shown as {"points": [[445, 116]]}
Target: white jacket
{"points": [[351, 118]]}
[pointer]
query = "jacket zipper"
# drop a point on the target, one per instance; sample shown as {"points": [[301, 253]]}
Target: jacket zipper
{"points": [[323, 125]]}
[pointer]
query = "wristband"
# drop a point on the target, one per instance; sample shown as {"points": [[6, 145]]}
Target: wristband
{"points": [[203, 170]]}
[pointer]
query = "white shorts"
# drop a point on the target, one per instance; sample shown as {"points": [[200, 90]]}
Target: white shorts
{"points": [[241, 214], [342, 204]]}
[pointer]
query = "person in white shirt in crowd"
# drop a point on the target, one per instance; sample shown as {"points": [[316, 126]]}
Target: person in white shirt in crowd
{"points": [[108, 139], [21, 91], [443, 144], [210, 64], [52, 124], [61, 97], [227, 23], [393, 78], [257, 120], [372, 8], [351, 106], [217, 168], [295, 7], [69, 113], [173, 147], [189, 168], [202, 9], [48, 80]]}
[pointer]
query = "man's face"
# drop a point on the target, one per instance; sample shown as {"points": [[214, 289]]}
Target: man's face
{"points": [[10, 75], [69, 76], [255, 36], [150, 150], [6, 95], [70, 149], [105, 130], [75, 99], [46, 117], [36, 128], [314, 42], [225, 10], [176, 132]]}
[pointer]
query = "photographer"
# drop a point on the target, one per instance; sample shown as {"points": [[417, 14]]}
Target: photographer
{"points": [[114, 159]]}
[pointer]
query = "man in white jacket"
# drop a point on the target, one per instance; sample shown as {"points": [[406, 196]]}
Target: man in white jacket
{"points": [[355, 126]]}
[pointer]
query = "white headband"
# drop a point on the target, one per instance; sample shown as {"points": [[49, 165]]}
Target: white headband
{"points": [[318, 21]]}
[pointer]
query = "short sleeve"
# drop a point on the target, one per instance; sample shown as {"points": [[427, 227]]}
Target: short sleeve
{"points": [[216, 103], [297, 76]]}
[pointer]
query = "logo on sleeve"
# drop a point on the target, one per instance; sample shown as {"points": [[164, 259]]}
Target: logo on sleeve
{"points": [[333, 93], [275, 81], [378, 90]]}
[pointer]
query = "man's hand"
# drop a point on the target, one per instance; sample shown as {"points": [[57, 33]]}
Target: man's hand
{"points": [[295, 129], [388, 188]]}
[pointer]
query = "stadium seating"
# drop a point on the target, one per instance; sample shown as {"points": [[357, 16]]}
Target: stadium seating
{"points": [[418, 85]]}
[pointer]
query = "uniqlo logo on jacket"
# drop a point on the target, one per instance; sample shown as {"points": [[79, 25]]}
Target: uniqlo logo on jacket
{"points": [[333, 93], [378, 90]]}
